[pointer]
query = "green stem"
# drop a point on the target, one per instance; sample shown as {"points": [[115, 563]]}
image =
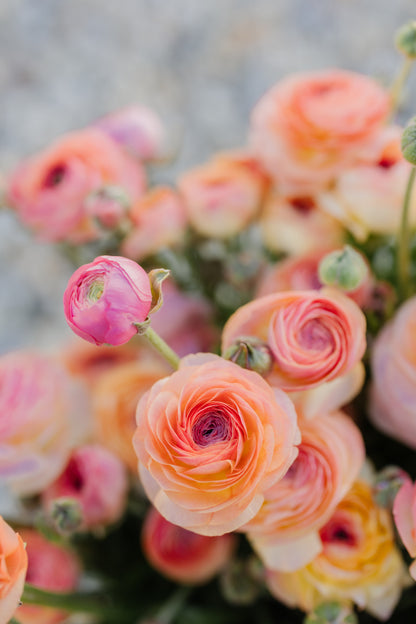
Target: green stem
{"points": [[403, 241], [163, 348], [396, 90], [168, 612]]}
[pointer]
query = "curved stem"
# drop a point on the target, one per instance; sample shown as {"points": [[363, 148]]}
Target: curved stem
{"points": [[163, 348], [403, 241], [168, 612], [396, 90]]}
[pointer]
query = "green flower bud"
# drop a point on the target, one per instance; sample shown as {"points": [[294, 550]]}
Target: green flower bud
{"points": [[405, 40], [241, 582], [387, 483], [409, 141], [345, 269], [66, 515], [331, 613], [251, 353]]}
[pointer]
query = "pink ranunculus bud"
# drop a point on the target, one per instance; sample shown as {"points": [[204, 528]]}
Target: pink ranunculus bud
{"points": [[105, 298], [52, 568], [13, 565], [182, 555], [97, 479], [136, 128]]}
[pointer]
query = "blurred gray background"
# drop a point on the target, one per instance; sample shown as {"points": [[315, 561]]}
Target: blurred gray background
{"points": [[201, 64]]}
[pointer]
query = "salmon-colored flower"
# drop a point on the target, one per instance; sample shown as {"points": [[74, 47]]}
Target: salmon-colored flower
{"points": [[359, 563], [285, 532], [404, 513], [314, 336], [309, 126], [105, 298], [210, 439], [181, 555], [49, 190], [13, 566], [51, 567]]}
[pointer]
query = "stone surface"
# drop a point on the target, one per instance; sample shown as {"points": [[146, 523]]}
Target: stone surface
{"points": [[201, 65]]}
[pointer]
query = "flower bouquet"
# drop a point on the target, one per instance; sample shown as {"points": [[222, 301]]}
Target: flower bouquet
{"points": [[231, 436]]}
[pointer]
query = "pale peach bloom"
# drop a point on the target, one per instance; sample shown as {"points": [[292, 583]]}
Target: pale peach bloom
{"points": [[115, 399], [210, 439], [223, 196], [404, 513], [368, 197], [181, 555], [158, 221], [97, 480], [308, 127], [51, 567], [49, 190], [392, 406], [297, 225], [36, 425], [359, 563], [13, 565], [314, 336], [285, 532]]}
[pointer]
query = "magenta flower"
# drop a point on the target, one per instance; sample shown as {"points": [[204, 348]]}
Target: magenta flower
{"points": [[106, 298]]}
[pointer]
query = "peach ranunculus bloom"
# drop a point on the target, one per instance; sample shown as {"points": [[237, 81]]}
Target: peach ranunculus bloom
{"points": [[114, 400], [52, 568], [223, 196], [359, 563], [285, 532], [392, 406], [210, 439], [404, 514], [158, 221], [181, 555], [97, 480], [13, 565], [308, 127], [297, 225], [367, 198], [49, 190], [37, 428]]}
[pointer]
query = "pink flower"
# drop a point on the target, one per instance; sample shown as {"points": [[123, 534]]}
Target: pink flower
{"points": [[13, 565], [181, 555], [95, 478], [210, 439], [314, 336], [404, 513], [52, 568], [309, 126], [105, 298], [49, 190], [136, 128], [36, 432]]}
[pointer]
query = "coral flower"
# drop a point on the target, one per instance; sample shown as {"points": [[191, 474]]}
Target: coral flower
{"points": [[210, 439], [105, 298], [13, 566]]}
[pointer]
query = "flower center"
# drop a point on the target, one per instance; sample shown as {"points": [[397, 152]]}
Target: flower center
{"points": [[96, 290], [211, 428], [54, 176], [315, 336]]}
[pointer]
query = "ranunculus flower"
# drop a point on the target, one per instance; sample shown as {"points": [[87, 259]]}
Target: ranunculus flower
{"points": [[136, 128], [223, 196], [181, 555], [392, 406], [115, 398], [159, 220], [36, 425], [97, 479], [51, 567], [404, 513], [13, 565], [105, 298], [310, 125], [315, 337], [285, 532], [359, 563], [210, 439], [49, 190]]}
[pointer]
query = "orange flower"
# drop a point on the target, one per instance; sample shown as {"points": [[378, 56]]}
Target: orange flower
{"points": [[13, 567], [210, 439]]}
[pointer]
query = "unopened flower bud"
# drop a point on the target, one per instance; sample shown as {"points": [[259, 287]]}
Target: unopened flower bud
{"points": [[409, 141], [387, 483], [344, 268], [241, 583], [331, 613], [251, 353], [108, 205], [66, 514], [405, 40]]}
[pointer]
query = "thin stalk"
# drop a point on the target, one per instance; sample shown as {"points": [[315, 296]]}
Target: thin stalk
{"points": [[168, 612], [403, 241], [396, 91], [163, 348]]}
